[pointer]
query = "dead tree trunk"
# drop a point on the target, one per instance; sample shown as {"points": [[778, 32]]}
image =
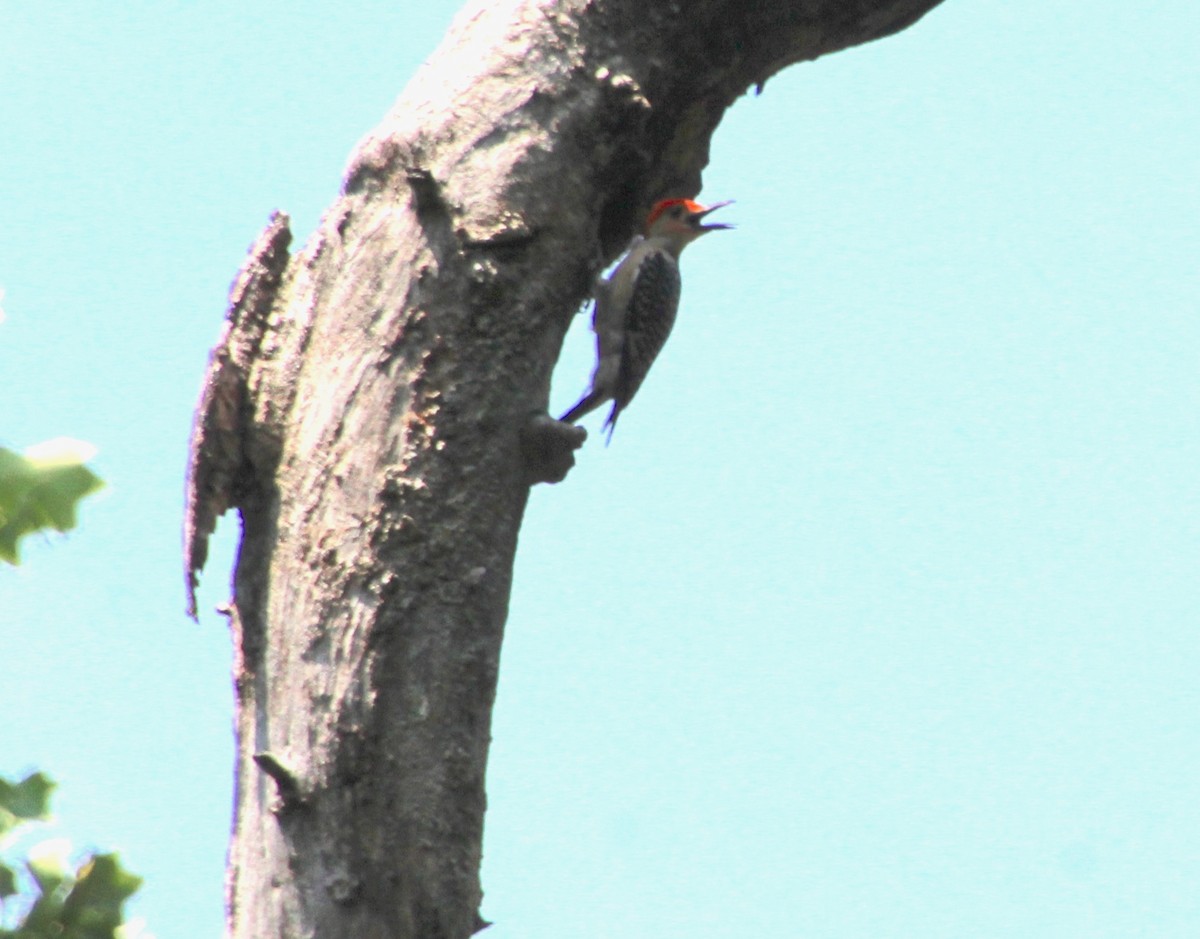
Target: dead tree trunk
{"points": [[376, 412]]}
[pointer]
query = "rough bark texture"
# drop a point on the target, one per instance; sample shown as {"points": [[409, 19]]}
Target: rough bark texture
{"points": [[376, 412]]}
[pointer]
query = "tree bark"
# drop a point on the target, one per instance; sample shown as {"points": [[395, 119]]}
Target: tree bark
{"points": [[376, 411]]}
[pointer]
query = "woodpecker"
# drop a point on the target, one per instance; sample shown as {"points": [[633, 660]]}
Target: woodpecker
{"points": [[636, 306]]}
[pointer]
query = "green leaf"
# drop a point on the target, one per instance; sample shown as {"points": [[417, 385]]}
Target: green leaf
{"points": [[44, 919], [8, 882], [28, 799], [41, 489], [93, 906], [66, 902]]}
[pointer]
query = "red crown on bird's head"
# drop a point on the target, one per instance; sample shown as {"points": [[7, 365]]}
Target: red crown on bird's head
{"points": [[665, 204]]}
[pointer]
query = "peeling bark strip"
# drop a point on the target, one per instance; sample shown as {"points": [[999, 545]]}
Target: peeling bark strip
{"points": [[376, 412], [219, 470]]}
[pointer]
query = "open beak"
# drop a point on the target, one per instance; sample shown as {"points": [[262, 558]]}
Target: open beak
{"points": [[696, 218]]}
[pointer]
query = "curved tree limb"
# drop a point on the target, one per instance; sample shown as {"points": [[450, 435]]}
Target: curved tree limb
{"points": [[376, 411]]}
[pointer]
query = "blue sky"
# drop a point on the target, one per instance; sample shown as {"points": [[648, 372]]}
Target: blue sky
{"points": [[879, 616]]}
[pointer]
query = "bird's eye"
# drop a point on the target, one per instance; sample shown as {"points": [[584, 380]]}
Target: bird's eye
{"points": [[677, 211]]}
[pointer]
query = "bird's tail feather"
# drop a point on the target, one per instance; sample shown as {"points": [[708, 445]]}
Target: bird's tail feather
{"points": [[610, 422]]}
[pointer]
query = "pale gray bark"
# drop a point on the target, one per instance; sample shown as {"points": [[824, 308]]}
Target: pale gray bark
{"points": [[376, 412]]}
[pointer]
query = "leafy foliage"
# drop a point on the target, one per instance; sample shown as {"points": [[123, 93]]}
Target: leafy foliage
{"points": [[40, 489], [53, 898], [28, 800]]}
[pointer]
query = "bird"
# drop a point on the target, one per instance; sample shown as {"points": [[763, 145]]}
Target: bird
{"points": [[636, 306]]}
